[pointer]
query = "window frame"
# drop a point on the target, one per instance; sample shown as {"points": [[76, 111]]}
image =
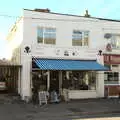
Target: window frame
{"points": [[115, 41], [83, 36], [45, 31], [112, 40], [112, 77], [78, 81]]}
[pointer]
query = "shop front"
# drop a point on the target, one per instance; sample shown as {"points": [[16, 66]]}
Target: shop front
{"points": [[79, 77], [112, 87]]}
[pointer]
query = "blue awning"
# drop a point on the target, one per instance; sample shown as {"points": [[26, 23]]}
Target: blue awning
{"points": [[59, 64]]}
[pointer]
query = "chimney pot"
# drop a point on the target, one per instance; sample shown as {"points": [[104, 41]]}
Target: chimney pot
{"points": [[87, 14]]}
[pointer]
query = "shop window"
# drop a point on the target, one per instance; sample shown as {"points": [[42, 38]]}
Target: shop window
{"points": [[80, 38], [46, 35], [111, 76], [115, 41], [81, 80]]}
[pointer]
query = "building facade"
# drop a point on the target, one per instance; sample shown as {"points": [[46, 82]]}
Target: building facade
{"points": [[112, 77], [59, 51]]}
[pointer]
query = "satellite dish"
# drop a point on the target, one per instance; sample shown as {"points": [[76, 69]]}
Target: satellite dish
{"points": [[107, 35]]}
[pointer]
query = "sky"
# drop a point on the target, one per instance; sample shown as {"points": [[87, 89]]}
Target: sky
{"points": [[97, 8]]}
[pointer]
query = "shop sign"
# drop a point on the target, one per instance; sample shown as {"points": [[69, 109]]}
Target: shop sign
{"points": [[65, 52], [112, 59]]}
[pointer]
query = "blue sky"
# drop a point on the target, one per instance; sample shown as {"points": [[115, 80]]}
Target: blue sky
{"points": [[97, 8]]}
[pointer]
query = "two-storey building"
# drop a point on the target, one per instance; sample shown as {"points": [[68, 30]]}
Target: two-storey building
{"points": [[59, 51]]}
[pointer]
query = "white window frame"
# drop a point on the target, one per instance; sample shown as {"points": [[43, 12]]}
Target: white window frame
{"points": [[112, 40], [112, 73], [83, 39], [44, 32]]}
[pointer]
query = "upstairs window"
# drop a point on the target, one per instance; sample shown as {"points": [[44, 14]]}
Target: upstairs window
{"points": [[113, 39], [80, 38], [46, 35]]}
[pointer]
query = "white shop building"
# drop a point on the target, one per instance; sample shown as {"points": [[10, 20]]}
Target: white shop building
{"points": [[54, 49]]}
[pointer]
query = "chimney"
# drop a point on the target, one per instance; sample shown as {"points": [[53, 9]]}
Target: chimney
{"points": [[42, 10], [86, 14]]}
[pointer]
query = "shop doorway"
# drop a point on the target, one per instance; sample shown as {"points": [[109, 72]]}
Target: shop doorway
{"points": [[39, 80], [54, 81], [39, 83]]}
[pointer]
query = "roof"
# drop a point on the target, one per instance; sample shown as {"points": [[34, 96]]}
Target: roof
{"points": [[4, 62], [113, 20]]}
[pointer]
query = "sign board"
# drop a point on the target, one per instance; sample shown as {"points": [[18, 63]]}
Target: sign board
{"points": [[111, 59], [64, 52], [42, 97]]}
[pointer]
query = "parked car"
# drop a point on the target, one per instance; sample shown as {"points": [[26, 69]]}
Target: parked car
{"points": [[2, 83]]}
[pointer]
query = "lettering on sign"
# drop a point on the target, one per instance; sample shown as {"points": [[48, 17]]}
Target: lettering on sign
{"points": [[75, 53], [112, 59], [66, 53], [57, 51], [115, 59]]}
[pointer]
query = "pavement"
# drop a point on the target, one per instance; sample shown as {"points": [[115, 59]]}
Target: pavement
{"points": [[11, 107], [111, 118]]}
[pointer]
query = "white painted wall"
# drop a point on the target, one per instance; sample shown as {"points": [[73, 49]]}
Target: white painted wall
{"points": [[66, 24], [100, 84], [14, 42], [26, 62], [80, 94]]}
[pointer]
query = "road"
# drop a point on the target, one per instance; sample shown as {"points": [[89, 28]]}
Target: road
{"points": [[111, 118], [49, 112], [101, 109]]}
